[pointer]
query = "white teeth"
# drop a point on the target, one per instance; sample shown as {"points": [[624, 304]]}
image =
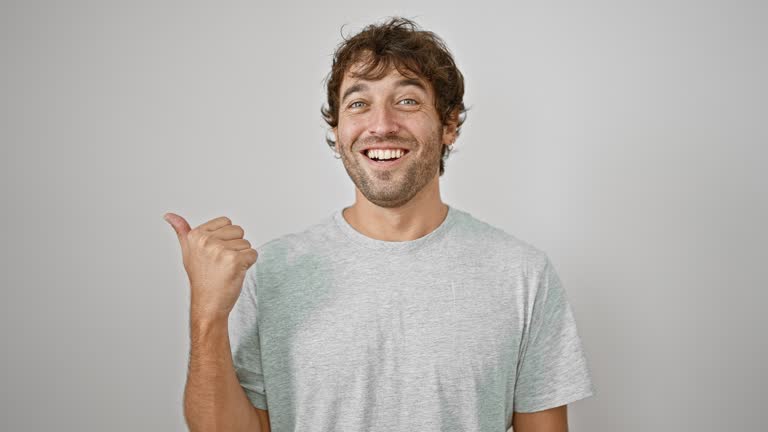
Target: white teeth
{"points": [[385, 153]]}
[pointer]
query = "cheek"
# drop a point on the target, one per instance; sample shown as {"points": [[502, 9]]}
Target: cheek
{"points": [[349, 131], [422, 124], [427, 134]]}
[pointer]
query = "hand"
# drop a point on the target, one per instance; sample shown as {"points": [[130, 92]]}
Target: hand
{"points": [[216, 258]]}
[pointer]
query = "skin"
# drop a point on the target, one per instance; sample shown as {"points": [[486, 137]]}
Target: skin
{"points": [[216, 256], [402, 202], [550, 420]]}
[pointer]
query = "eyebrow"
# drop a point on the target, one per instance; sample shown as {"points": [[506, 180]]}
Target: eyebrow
{"points": [[401, 83]]}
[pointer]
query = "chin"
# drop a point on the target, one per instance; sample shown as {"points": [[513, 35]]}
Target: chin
{"points": [[387, 200], [390, 204]]}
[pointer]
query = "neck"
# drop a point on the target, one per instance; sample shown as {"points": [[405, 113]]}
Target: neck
{"points": [[415, 219]]}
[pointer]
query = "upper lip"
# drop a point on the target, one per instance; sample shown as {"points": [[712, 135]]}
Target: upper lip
{"points": [[382, 146]]}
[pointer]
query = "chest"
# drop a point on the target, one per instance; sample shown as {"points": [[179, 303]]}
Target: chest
{"points": [[448, 325]]}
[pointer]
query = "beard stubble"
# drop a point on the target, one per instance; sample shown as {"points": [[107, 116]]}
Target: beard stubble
{"points": [[393, 187]]}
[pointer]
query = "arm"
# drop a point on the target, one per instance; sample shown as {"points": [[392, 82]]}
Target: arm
{"points": [[213, 397], [549, 420]]}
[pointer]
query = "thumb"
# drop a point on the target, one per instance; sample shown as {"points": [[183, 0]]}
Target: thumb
{"points": [[179, 225]]}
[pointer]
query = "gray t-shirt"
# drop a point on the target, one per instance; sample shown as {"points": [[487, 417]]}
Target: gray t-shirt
{"points": [[452, 331]]}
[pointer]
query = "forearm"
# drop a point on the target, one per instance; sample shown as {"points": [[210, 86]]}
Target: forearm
{"points": [[213, 398]]}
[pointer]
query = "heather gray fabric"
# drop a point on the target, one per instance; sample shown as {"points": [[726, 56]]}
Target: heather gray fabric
{"points": [[336, 331]]}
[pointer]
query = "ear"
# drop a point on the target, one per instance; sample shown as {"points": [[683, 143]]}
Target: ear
{"points": [[450, 129], [335, 132]]}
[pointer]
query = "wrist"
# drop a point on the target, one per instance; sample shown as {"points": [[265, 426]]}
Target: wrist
{"points": [[206, 317]]}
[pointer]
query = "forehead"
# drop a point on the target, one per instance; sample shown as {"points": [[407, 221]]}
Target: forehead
{"points": [[386, 75]]}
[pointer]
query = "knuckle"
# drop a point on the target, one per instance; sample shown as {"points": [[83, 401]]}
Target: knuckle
{"points": [[204, 240], [196, 238], [219, 249], [229, 256]]}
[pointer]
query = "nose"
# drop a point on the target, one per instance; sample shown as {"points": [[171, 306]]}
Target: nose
{"points": [[383, 121]]}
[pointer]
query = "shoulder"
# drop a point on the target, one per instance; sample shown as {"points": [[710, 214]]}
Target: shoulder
{"points": [[494, 242], [288, 248]]}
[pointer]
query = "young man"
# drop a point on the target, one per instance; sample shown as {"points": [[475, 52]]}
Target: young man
{"points": [[398, 313]]}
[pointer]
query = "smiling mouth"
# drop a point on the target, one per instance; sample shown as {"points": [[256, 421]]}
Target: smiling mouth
{"points": [[384, 155]]}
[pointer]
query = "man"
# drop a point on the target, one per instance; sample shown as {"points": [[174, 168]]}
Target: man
{"points": [[398, 313]]}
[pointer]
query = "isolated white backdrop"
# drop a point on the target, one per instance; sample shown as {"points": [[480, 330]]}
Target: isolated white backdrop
{"points": [[625, 139]]}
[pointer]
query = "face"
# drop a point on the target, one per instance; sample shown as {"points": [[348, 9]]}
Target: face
{"points": [[396, 113]]}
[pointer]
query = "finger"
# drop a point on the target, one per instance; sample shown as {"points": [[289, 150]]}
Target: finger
{"points": [[229, 232], [180, 226], [214, 224], [237, 245], [251, 255]]}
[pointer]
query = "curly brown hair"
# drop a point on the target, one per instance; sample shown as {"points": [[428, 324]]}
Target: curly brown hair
{"points": [[399, 43]]}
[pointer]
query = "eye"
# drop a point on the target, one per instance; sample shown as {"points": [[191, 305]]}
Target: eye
{"points": [[409, 102], [356, 104]]}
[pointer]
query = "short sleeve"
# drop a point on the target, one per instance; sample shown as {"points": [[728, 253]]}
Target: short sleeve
{"points": [[552, 368], [244, 341]]}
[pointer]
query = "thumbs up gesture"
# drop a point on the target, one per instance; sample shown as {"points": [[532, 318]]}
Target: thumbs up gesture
{"points": [[216, 258]]}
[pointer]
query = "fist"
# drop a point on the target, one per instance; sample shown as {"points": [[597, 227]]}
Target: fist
{"points": [[216, 258]]}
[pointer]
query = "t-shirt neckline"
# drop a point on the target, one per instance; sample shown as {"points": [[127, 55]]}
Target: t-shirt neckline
{"points": [[394, 246]]}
